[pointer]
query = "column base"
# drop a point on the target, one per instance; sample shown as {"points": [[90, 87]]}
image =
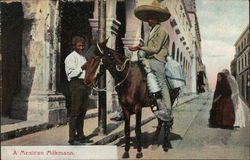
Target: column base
{"points": [[46, 107]]}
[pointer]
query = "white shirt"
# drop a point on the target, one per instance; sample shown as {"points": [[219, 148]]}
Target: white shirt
{"points": [[73, 63]]}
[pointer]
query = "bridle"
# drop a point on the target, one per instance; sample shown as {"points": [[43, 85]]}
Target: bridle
{"points": [[121, 69]]}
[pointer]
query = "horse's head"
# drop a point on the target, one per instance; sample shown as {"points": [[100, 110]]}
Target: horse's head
{"points": [[100, 53], [95, 54]]}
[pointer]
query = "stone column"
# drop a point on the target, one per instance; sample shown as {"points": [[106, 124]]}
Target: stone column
{"points": [[111, 33], [38, 99], [1, 70], [94, 25], [112, 26], [133, 27], [94, 21]]}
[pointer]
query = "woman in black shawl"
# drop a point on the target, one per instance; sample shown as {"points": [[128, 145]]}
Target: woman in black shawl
{"points": [[222, 112]]}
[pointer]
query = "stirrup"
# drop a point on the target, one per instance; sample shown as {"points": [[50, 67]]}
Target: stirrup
{"points": [[165, 115]]}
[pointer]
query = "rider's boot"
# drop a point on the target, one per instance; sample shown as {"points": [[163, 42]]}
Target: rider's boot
{"points": [[163, 112]]}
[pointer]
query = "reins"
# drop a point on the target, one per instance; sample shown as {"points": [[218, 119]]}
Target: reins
{"points": [[117, 69], [123, 65]]}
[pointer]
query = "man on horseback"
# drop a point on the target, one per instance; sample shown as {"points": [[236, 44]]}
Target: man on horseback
{"points": [[152, 54]]}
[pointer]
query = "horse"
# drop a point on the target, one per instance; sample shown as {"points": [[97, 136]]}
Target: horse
{"points": [[131, 87]]}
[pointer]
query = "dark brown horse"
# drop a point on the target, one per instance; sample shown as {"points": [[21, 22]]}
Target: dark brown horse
{"points": [[131, 87]]}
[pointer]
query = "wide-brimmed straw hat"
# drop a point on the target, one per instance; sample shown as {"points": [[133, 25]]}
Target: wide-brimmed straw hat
{"points": [[142, 12]]}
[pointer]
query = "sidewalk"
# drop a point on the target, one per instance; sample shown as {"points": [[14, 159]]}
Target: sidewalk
{"points": [[114, 129]]}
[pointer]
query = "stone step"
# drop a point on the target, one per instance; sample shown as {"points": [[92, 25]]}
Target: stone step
{"points": [[12, 128], [21, 128]]}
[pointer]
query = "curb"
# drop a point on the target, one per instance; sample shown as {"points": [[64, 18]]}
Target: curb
{"points": [[24, 131]]}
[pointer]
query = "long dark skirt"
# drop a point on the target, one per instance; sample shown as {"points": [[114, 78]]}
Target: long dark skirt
{"points": [[222, 113]]}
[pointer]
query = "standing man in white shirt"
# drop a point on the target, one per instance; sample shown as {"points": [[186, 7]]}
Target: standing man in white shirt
{"points": [[75, 65]]}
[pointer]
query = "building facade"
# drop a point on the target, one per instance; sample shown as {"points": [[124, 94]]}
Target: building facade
{"points": [[34, 85], [200, 67], [240, 65]]}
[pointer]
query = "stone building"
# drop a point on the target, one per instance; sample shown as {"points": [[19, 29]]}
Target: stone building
{"points": [[197, 51], [240, 66], [36, 38]]}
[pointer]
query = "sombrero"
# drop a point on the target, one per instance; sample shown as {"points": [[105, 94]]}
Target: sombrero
{"points": [[142, 12]]}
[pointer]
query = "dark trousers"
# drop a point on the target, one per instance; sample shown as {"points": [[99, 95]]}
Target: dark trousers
{"points": [[79, 103]]}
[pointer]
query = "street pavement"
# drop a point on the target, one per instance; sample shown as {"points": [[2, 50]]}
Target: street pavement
{"points": [[191, 137], [49, 136]]}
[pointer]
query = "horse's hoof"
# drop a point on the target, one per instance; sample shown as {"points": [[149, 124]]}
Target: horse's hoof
{"points": [[165, 149], [170, 145], [154, 147], [125, 155], [139, 155]]}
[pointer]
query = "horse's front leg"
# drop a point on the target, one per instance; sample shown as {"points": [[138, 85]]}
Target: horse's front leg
{"points": [[138, 134], [166, 143], [127, 136], [156, 135]]}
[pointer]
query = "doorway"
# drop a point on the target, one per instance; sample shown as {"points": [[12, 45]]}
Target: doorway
{"points": [[74, 22], [11, 51]]}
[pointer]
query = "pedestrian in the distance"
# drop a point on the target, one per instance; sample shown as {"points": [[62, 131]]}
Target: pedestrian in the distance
{"points": [[75, 65], [222, 112], [239, 112]]}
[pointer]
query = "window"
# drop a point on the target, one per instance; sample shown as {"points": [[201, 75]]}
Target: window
{"points": [[177, 58], [248, 80], [181, 58], [239, 65], [243, 86], [242, 63], [173, 50], [246, 60], [189, 67], [184, 61]]}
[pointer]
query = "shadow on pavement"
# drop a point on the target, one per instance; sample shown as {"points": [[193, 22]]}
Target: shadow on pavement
{"points": [[110, 127], [146, 139]]}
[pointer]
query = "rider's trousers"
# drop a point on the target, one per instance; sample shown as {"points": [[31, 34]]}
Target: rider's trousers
{"points": [[159, 70]]}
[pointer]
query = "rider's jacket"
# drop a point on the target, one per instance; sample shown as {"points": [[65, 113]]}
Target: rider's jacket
{"points": [[156, 43]]}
